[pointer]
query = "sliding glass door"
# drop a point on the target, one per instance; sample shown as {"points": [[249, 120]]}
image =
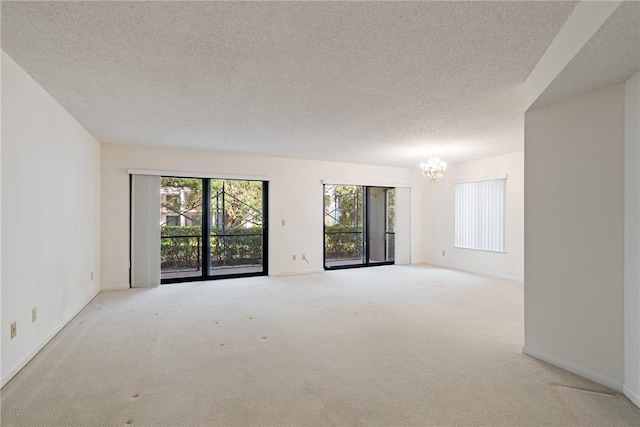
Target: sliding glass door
{"points": [[181, 242], [358, 226], [344, 226], [212, 228], [380, 219], [237, 227]]}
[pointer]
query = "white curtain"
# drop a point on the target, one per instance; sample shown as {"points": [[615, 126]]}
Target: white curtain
{"points": [[145, 231], [403, 226], [479, 215]]}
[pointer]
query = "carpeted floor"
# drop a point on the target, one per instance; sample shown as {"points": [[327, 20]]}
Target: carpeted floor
{"points": [[384, 346]]}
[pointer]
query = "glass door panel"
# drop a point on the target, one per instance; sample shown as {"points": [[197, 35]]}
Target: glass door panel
{"points": [[181, 245], [377, 224], [344, 243], [391, 224], [237, 232]]}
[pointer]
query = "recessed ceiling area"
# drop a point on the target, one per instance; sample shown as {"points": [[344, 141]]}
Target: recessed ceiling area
{"points": [[611, 56], [370, 82]]}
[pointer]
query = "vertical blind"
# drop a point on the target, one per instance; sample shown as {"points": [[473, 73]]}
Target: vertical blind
{"points": [[403, 226], [145, 231], [479, 215]]}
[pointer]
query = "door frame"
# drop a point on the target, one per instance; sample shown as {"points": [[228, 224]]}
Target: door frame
{"points": [[206, 232], [365, 233]]}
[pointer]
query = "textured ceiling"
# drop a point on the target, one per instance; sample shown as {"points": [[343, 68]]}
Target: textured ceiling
{"points": [[611, 56], [369, 82]]}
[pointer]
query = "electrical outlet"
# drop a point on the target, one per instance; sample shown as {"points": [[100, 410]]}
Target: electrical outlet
{"points": [[282, 222], [442, 253], [34, 314], [14, 330], [293, 257]]}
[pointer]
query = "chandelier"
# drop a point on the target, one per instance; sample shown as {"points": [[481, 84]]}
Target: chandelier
{"points": [[434, 168]]}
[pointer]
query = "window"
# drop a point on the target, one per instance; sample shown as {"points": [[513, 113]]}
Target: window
{"points": [[172, 220], [479, 215], [173, 200]]}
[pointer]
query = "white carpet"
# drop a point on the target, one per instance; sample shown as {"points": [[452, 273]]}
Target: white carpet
{"points": [[384, 346]]}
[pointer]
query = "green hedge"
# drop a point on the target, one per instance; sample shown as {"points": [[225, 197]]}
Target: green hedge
{"points": [[342, 242], [181, 247]]}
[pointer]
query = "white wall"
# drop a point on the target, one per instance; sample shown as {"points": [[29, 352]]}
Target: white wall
{"points": [[295, 195], [574, 239], [1, 323], [632, 240], [439, 215], [50, 217]]}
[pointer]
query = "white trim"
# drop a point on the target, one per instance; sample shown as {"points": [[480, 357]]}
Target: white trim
{"points": [[365, 183], [481, 179], [631, 395], [181, 174], [27, 358], [567, 366], [470, 270]]}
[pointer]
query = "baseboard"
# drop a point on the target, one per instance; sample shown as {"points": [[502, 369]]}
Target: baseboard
{"points": [[631, 395], [115, 287], [294, 273], [27, 358], [600, 379], [483, 273]]}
